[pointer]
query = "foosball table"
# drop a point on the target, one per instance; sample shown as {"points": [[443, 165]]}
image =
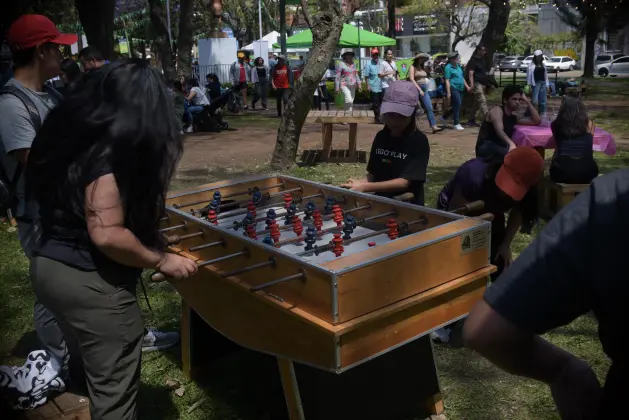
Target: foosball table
{"points": [[341, 287]]}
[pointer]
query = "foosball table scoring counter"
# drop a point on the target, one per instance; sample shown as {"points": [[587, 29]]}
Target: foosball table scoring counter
{"points": [[342, 287]]}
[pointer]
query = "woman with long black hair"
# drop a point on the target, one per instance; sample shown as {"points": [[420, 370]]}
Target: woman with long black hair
{"points": [[99, 169]]}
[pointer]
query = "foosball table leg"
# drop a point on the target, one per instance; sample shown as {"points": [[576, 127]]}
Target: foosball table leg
{"points": [[291, 389]]}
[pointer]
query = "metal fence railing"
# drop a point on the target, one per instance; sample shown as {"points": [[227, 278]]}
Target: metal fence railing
{"points": [[221, 70]]}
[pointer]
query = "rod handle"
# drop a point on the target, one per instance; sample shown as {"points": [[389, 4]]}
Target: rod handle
{"points": [[157, 277], [475, 206], [489, 217], [407, 196]]}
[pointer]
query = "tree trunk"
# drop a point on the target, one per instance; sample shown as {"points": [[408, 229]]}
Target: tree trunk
{"points": [[158, 19], [184, 39], [326, 31], [97, 19], [494, 32], [591, 34]]}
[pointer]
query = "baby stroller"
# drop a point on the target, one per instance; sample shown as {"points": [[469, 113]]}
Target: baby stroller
{"points": [[211, 118]]}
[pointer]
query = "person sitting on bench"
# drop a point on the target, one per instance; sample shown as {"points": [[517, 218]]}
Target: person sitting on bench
{"points": [[573, 161], [496, 130]]}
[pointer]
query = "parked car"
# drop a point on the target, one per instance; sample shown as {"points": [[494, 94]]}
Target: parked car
{"points": [[527, 61], [619, 67], [561, 63], [510, 63], [606, 58], [497, 58]]}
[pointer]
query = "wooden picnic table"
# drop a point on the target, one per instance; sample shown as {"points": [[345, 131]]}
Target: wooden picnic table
{"points": [[328, 119]]}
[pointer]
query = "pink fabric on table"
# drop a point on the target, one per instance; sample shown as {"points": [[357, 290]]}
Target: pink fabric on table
{"points": [[542, 136]]}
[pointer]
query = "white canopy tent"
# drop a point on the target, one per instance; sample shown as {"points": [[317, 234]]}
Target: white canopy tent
{"points": [[274, 38]]}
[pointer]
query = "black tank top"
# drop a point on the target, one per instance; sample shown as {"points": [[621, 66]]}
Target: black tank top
{"points": [[488, 133], [575, 147]]}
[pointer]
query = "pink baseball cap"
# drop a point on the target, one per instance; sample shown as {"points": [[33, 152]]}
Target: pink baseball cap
{"points": [[401, 98]]}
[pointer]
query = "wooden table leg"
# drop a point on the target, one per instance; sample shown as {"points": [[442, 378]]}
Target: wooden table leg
{"points": [[326, 137], [291, 389], [186, 355], [353, 130]]}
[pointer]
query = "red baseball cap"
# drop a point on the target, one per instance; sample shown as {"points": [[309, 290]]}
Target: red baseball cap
{"points": [[375, 51], [27, 31], [522, 169]]}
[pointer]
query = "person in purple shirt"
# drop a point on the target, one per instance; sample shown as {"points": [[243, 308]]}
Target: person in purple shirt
{"points": [[505, 187]]}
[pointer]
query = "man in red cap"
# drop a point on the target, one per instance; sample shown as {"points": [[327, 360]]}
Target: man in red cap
{"points": [[24, 103], [505, 187], [374, 82]]}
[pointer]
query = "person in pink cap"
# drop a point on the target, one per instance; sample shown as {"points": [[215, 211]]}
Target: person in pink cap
{"points": [[25, 101], [399, 153]]}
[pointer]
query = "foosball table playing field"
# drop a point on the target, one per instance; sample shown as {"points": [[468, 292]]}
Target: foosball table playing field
{"points": [[341, 287]]}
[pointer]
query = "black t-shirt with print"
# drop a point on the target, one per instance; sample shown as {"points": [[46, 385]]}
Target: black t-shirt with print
{"points": [[404, 157], [576, 265]]}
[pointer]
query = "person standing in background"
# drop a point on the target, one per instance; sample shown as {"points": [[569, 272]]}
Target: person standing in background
{"points": [[240, 77], [371, 74], [418, 75], [478, 80], [537, 79], [347, 79], [281, 81], [70, 75], [455, 86], [91, 58], [260, 77], [34, 42], [388, 70]]}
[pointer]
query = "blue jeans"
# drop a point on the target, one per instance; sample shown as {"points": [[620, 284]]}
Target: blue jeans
{"points": [[539, 96], [191, 112], [427, 106], [455, 104]]}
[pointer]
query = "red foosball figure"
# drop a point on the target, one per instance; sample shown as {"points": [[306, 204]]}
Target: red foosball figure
{"points": [[288, 198], [393, 229], [251, 232], [251, 208], [298, 228], [338, 214], [275, 231], [318, 221], [211, 216], [338, 245]]}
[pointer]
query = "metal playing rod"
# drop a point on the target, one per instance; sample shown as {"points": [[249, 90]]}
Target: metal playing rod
{"points": [[182, 225], [204, 246], [270, 262], [278, 281], [326, 248], [236, 212], [175, 239], [474, 206], [250, 191], [333, 228], [158, 276]]}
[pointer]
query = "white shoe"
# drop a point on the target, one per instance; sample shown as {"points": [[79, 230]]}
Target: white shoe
{"points": [[458, 127], [442, 335], [189, 129], [158, 340]]}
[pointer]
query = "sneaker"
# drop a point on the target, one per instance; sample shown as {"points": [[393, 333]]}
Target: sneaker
{"points": [[458, 127], [189, 129], [158, 340], [436, 129], [441, 335]]}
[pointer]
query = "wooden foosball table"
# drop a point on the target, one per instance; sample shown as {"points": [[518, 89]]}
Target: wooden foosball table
{"points": [[341, 287]]}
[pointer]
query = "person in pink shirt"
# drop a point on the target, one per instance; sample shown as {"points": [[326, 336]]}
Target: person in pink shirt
{"points": [[347, 79]]}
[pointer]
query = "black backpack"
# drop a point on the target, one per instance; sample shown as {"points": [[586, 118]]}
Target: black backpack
{"points": [[8, 186]]}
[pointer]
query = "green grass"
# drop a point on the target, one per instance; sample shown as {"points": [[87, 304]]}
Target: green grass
{"points": [[472, 388]]}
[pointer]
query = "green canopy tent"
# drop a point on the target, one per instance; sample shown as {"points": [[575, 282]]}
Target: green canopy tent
{"points": [[351, 37]]}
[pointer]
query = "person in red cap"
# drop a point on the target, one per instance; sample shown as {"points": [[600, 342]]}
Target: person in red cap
{"points": [[399, 154], [504, 186], [374, 83], [24, 104]]}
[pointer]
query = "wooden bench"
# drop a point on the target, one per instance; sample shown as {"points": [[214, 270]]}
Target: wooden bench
{"points": [[438, 105], [328, 119], [555, 196], [575, 90], [67, 406]]}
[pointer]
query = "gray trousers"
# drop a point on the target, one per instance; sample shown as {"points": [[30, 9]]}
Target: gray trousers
{"points": [[46, 326], [101, 313]]}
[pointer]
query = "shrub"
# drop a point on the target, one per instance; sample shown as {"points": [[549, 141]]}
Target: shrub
{"points": [[568, 52]]}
